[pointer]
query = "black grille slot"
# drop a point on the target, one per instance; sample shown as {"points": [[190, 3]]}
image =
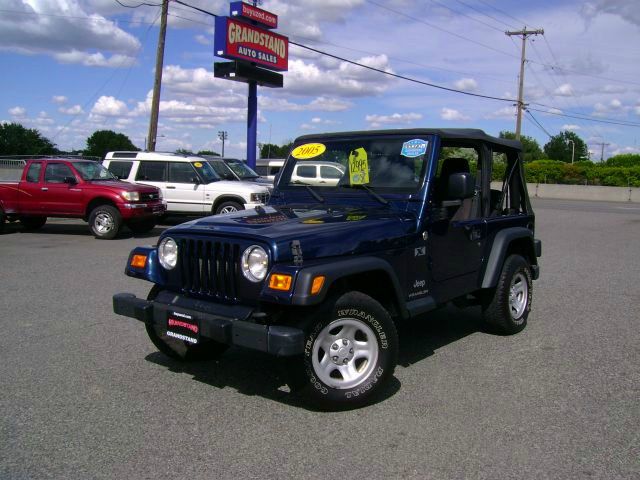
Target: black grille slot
{"points": [[209, 268], [146, 197]]}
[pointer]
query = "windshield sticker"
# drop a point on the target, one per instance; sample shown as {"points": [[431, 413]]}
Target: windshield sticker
{"points": [[358, 167], [308, 150], [414, 148], [197, 165], [355, 218]]}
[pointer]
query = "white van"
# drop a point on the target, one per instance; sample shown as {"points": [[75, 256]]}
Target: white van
{"points": [[188, 183], [269, 167], [318, 173]]}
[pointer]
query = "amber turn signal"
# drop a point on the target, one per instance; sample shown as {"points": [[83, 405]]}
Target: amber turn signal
{"points": [[279, 281], [317, 284], [138, 261]]}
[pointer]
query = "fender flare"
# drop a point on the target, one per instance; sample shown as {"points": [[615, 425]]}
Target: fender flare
{"points": [[499, 248], [336, 270]]}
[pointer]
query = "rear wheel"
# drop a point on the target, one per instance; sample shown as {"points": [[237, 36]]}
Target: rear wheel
{"points": [[181, 350], [33, 223], [229, 207], [509, 306], [2, 220], [350, 353], [105, 222]]}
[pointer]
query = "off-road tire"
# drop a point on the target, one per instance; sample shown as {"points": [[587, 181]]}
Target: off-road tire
{"points": [[351, 351], [2, 221], [228, 207], [142, 227], [33, 223], [105, 222], [180, 350], [508, 307]]}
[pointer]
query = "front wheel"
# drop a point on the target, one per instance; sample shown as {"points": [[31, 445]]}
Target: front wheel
{"points": [[350, 353], [105, 222], [181, 350], [229, 207], [509, 306]]}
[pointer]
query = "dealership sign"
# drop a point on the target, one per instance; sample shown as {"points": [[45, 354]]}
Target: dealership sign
{"points": [[264, 18], [238, 40]]}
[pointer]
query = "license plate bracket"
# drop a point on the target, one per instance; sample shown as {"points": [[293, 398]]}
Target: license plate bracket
{"points": [[183, 326]]}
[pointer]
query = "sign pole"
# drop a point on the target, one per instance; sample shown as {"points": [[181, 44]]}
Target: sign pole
{"points": [[252, 124]]}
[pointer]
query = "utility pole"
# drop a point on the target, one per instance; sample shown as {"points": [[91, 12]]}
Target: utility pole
{"points": [[602, 151], [155, 102], [223, 135], [524, 33]]}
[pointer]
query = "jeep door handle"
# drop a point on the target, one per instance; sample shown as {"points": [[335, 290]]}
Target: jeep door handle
{"points": [[44, 189], [171, 187]]}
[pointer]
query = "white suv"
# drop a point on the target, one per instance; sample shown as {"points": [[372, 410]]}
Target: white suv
{"points": [[188, 183]]}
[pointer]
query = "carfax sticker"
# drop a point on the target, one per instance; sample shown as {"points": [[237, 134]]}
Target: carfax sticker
{"points": [[308, 150], [414, 148], [358, 167]]}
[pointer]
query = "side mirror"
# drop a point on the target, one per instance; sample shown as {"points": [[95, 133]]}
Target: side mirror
{"points": [[195, 180], [461, 185], [70, 180]]}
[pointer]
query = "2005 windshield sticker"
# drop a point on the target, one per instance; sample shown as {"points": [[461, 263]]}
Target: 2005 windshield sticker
{"points": [[308, 150], [358, 167], [414, 148]]}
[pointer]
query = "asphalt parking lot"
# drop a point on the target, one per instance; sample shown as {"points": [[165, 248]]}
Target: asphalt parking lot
{"points": [[84, 394]]}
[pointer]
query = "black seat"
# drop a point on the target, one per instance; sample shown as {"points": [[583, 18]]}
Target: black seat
{"points": [[451, 166]]}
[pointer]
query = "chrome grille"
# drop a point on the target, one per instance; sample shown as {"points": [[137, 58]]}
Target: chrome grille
{"points": [[209, 268]]}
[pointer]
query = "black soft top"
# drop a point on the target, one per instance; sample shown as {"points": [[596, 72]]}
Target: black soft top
{"points": [[444, 133]]}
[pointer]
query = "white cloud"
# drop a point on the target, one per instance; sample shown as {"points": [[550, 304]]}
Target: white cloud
{"points": [[18, 112], [505, 113], [109, 107], [453, 115], [203, 40], [75, 110], [466, 84], [626, 9], [325, 104], [58, 27], [95, 59], [564, 90], [59, 99], [570, 127], [376, 121]]}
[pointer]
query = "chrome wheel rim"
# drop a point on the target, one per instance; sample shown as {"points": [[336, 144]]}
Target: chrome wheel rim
{"points": [[518, 296], [103, 223], [228, 209], [345, 353]]}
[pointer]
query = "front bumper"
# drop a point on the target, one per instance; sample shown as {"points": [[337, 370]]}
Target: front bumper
{"points": [[143, 210], [225, 324]]}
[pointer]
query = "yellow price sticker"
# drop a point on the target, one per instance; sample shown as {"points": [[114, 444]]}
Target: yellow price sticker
{"points": [[358, 167], [308, 150], [198, 165]]}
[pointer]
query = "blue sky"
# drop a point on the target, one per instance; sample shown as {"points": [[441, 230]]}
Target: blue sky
{"points": [[71, 67]]}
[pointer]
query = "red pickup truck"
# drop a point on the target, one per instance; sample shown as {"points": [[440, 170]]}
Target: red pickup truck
{"points": [[72, 188]]}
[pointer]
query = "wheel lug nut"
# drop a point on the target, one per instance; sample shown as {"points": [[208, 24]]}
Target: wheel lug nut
{"points": [[334, 346], [351, 350], [335, 359], [345, 361], [344, 341]]}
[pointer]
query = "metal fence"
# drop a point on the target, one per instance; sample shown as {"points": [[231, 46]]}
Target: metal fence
{"points": [[11, 169]]}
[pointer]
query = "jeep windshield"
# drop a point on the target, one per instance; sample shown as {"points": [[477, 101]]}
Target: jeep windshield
{"points": [[382, 164]]}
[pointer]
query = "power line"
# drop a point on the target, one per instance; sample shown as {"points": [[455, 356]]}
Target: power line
{"points": [[598, 120], [538, 123], [465, 15], [139, 5], [485, 14], [502, 12]]}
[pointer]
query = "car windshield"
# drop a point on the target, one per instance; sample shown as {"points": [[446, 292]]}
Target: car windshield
{"points": [[206, 172], [222, 169], [241, 169], [390, 163], [90, 171]]}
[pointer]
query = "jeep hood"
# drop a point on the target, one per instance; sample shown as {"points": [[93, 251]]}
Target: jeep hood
{"points": [[322, 232]]}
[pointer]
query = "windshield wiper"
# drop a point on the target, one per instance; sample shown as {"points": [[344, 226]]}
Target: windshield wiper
{"points": [[371, 191], [313, 193]]}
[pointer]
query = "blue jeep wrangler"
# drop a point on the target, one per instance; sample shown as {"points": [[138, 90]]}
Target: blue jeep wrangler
{"points": [[325, 271]]}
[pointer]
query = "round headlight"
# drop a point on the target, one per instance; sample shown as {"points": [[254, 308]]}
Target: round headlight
{"points": [[168, 253], [255, 263]]}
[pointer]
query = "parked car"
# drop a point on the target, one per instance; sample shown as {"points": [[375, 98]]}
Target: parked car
{"points": [[318, 173], [70, 188], [324, 273], [236, 170], [269, 167], [189, 184]]}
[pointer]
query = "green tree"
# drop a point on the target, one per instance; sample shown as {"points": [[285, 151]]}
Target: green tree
{"points": [[184, 151], [270, 150], [103, 141], [624, 160], [530, 145], [18, 140], [559, 147], [208, 152]]}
